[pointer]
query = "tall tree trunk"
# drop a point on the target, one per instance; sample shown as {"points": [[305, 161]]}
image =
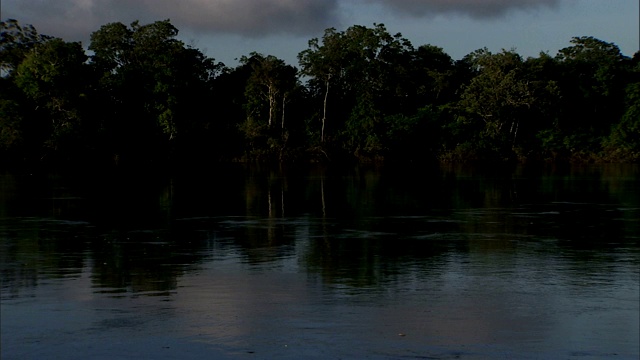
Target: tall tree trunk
{"points": [[515, 133], [284, 102], [324, 114], [272, 103]]}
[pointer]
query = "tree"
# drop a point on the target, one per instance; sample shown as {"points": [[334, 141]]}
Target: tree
{"points": [[498, 96], [541, 130], [358, 69], [53, 77], [16, 109], [154, 87], [321, 62], [624, 141], [271, 80], [11, 118], [271, 85], [15, 43], [433, 76], [592, 85]]}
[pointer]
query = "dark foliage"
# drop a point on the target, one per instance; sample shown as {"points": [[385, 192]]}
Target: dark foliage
{"points": [[144, 98]]}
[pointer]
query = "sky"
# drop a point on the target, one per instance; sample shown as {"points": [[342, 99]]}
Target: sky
{"points": [[228, 29]]}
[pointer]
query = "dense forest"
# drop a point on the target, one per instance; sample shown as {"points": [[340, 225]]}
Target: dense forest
{"points": [[139, 96]]}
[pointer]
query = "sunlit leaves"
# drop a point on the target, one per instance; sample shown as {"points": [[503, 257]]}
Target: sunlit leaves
{"points": [[15, 42], [354, 72], [52, 75], [499, 96]]}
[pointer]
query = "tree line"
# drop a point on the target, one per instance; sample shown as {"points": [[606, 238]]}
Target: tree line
{"points": [[140, 96]]}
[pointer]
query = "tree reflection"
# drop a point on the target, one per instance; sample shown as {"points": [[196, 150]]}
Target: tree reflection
{"points": [[361, 227]]}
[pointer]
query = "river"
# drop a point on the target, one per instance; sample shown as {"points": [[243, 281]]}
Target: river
{"points": [[310, 262]]}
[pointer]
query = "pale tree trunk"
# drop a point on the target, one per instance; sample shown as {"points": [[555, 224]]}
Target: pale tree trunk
{"points": [[284, 102], [515, 133], [324, 114], [272, 103]]}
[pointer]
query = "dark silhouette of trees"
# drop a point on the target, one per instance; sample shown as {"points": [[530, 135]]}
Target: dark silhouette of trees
{"points": [[592, 83], [142, 97], [270, 88], [152, 90]]}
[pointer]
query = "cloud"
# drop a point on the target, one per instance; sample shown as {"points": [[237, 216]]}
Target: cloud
{"points": [[253, 17], [472, 8], [75, 19]]}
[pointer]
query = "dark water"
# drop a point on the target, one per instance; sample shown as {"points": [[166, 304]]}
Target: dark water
{"points": [[386, 263]]}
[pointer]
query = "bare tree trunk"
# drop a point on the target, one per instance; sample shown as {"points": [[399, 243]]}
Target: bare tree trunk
{"points": [[515, 133], [284, 102], [271, 104], [324, 114]]}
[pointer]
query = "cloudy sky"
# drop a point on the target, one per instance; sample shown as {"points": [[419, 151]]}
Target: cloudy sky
{"points": [[228, 29]]}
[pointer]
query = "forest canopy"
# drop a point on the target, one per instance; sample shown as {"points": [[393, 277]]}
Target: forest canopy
{"points": [[137, 96]]}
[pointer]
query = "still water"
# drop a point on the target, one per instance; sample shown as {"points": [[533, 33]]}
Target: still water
{"points": [[315, 263]]}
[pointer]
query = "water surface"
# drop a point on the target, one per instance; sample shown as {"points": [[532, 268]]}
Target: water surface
{"points": [[379, 263]]}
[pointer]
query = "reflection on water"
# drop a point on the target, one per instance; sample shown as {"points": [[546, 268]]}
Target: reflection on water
{"points": [[322, 263]]}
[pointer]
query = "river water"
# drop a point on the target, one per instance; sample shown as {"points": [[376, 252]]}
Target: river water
{"points": [[245, 262]]}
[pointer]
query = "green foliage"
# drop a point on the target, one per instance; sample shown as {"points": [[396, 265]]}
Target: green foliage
{"points": [[144, 97], [624, 141], [433, 76], [271, 88], [52, 69], [592, 81], [10, 124], [152, 88], [15, 42], [358, 74], [415, 137], [499, 96], [52, 76]]}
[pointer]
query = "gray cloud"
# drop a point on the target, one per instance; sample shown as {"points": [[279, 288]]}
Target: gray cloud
{"points": [[472, 8], [75, 19], [253, 17]]}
